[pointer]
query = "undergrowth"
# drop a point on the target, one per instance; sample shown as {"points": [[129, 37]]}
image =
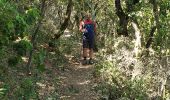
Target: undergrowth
{"points": [[43, 83], [122, 76]]}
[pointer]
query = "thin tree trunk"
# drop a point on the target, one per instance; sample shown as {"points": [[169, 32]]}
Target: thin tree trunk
{"points": [[149, 42], [156, 14], [138, 38], [64, 25], [123, 19], [157, 25], [34, 35]]}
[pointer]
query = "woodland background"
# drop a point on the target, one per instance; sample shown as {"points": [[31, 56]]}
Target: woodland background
{"points": [[39, 38]]}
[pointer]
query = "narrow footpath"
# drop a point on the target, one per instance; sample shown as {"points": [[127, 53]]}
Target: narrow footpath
{"points": [[77, 83]]}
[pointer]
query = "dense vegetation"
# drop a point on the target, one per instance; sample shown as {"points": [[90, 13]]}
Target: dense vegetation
{"points": [[38, 37]]}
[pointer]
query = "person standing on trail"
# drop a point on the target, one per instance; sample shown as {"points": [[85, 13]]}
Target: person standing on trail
{"points": [[88, 28]]}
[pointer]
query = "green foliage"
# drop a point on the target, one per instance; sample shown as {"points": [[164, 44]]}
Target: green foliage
{"points": [[26, 90], [17, 22], [3, 41], [32, 15], [4, 90], [13, 23], [19, 17], [20, 26], [13, 61], [7, 16], [22, 47], [40, 60], [118, 86]]}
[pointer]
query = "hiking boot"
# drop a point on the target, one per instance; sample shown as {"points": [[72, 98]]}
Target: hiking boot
{"points": [[84, 62], [91, 62]]}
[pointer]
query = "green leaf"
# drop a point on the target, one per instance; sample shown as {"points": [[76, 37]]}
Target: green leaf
{"points": [[41, 68], [32, 15]]}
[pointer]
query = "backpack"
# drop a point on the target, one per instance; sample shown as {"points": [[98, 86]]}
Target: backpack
{"points": [[89, 26]]}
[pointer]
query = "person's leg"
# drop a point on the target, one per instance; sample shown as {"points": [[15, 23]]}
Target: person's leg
{"points": [[91, 56], [91, 46], [85, 53], [91, 53], [85, 50]]}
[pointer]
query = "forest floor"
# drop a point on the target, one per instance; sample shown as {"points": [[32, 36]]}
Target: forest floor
{"points": [[76, 80], [77, 83]]}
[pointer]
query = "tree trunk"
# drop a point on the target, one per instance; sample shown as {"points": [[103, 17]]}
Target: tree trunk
{"points": [[149, 42], [138, 38], [34, 35], [157, 25], [66, 20], [123, 19]]}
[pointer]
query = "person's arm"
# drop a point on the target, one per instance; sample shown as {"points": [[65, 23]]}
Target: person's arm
{"points": [[80, 26], [81, 29], [94, 27]]}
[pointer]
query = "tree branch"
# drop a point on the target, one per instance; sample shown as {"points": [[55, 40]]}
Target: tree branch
{"points": [[149, 42], [123, 19], [34, 35], [66, 21]]}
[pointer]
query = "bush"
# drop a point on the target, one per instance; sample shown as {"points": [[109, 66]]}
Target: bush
{"points": [[22, 47], [116, 85], [26, 90], [13, 61]]}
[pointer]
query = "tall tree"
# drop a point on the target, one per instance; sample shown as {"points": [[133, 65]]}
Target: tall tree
{"points": [[34, 35], [123, 19], [156, 24], [66, 20]]}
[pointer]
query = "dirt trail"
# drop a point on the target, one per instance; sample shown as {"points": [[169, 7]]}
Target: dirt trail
{"points": [[77, 83]]}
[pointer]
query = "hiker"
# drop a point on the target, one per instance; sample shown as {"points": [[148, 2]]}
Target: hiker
{"points": [[88, 28]]}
